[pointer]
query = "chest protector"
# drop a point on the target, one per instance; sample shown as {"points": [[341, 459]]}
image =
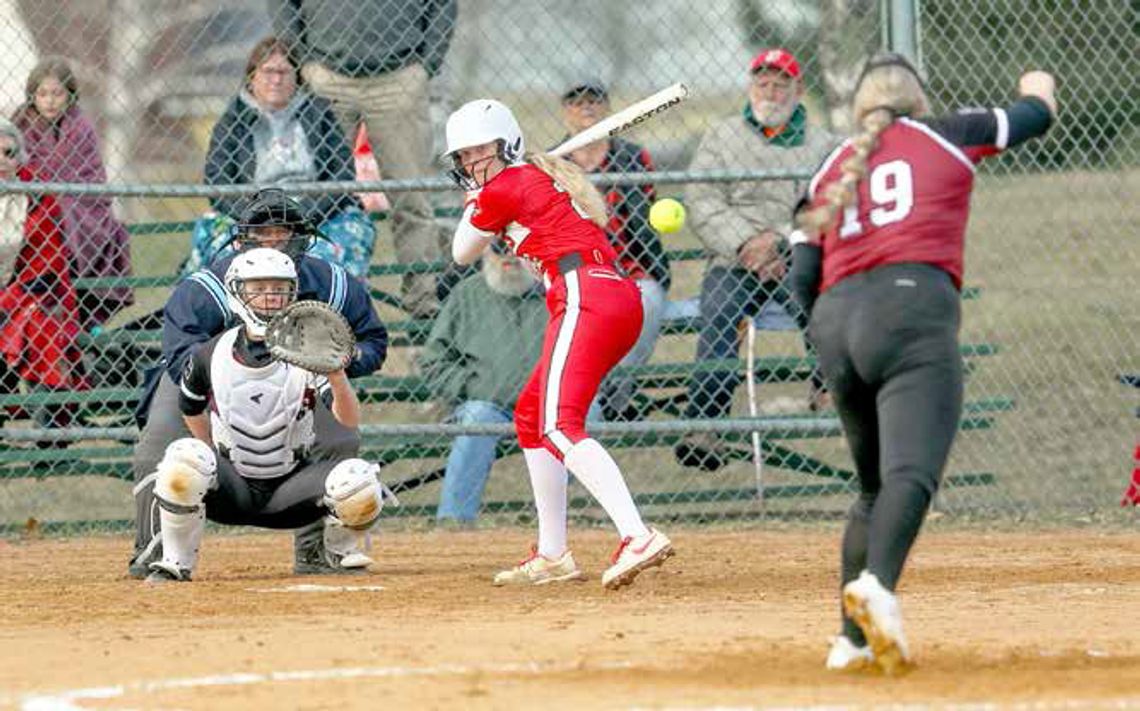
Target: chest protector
{"points": [[262, 419]]}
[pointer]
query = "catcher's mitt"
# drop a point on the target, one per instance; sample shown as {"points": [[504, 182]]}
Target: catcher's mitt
{"points": [[311, 335]]}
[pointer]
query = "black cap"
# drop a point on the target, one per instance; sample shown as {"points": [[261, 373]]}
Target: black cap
{"points": [[587, 87]]}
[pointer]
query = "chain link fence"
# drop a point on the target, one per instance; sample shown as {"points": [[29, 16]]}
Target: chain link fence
{"points": [[183, 109]]}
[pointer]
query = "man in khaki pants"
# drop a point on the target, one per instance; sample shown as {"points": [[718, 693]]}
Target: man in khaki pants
{"points": [[372, 59]]}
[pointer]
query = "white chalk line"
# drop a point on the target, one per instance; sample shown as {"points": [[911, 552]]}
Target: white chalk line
{"points": [[1123, 703], [69, 700], [313, 588], [66, 700]]}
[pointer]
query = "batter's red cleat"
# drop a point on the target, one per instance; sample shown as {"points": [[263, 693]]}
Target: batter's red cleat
{"points": [[540, 570], [635, 555]]}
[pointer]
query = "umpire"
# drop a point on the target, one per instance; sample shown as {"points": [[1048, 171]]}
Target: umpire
{"points": [[883, 249], [197, 311]]}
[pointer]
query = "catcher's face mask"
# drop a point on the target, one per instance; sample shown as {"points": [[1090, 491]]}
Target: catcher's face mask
{"points": [[267, 297], [272, 219]]}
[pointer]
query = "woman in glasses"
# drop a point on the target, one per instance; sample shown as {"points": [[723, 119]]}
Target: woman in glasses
{"points": [[275, 131]]}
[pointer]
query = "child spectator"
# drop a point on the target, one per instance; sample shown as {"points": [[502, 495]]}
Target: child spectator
{"points": [[62, 147]]}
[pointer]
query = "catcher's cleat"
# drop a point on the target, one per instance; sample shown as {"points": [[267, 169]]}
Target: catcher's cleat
{"points": [[876, 610], [635, 555], [162, 572], [139, 567], [845, 656], [312, 557], [540, 570]]}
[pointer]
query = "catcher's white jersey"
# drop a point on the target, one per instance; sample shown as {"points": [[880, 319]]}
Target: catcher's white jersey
{"points": [[262, 418]]}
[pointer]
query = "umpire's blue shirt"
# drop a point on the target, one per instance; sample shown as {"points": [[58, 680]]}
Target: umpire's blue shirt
{"points": [[198, 310]]}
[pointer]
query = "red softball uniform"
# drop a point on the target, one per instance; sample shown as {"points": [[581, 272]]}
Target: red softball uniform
{"points": [[912, 206], [595, 310]]}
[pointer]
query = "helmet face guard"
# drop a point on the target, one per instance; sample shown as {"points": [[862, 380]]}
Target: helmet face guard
{"points": [[248, 279], [464, 177], [272, 208]]}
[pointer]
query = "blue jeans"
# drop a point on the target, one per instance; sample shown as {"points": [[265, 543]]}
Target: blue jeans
{"points": [[470, 462], [727, 297]]}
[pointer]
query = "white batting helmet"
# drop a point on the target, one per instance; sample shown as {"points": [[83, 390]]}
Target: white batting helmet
{"points": [[259, 263]]}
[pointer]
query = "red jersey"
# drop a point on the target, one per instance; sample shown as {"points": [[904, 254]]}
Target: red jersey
{"points": [[914, 202], [538, 218]]}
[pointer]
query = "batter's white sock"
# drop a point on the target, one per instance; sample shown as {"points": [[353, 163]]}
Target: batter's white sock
{"points": [[548, 480], [599, 473]]}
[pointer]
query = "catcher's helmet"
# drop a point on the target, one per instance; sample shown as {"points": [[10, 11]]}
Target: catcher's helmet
{"points": [[271, 207], [260, 264], [478, 122]]}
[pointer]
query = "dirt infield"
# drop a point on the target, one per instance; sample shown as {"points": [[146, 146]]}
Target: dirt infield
{"points": [[738, 618]]}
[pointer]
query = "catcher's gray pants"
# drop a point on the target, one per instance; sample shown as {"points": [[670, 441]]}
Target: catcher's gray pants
{"points": [[289, 501], [165, 424], [888, 346]]}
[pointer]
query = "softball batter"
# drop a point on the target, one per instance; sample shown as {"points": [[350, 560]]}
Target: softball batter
{"points": [[550, 216]]}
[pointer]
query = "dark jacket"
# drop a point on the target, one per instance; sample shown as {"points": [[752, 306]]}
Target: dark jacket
{"points": [[364, 38], [231, 158]]}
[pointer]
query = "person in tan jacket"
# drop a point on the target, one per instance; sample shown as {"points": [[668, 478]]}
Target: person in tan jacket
{"points": [[745, 227]]}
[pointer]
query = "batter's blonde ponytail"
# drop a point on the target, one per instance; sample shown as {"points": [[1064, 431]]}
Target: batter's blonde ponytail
{"points": [[571, 178], [884, 92]]}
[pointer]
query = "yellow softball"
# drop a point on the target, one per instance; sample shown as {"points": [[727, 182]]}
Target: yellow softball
{"points": [[667, 215]]}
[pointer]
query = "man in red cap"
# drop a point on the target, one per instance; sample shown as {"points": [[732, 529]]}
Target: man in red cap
{"points": [[745, 226]]}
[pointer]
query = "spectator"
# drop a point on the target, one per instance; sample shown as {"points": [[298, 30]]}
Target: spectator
{"points": [[745, 227], [639, 248], [62, 147], [274, 131], [373, 59], [483, 344], [38, 305]]}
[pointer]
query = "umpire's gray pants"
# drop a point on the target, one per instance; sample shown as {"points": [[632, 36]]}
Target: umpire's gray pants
{"points": [[165, 424]]}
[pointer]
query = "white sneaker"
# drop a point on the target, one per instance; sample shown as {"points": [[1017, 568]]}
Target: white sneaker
{"points": [[540, 570], [845, 656], [635, 555], [876, 610]]}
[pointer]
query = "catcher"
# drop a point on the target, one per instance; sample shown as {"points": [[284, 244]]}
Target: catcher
{"points": [[247, 396], [198, 310]]}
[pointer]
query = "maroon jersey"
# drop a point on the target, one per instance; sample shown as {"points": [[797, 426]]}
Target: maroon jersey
{"points": [[538, 218], [914, 201]]}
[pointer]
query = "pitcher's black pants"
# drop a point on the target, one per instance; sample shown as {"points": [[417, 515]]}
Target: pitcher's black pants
{"points": [[888, 347]]}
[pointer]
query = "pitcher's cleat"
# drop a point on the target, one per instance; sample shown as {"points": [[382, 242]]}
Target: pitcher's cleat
{"points": [[845, 656], [540, 570], [876, 610], [163, 572], [635, 555]]}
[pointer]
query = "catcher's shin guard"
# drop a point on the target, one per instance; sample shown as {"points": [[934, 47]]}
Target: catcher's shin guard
{"points": [[186, 473]]}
